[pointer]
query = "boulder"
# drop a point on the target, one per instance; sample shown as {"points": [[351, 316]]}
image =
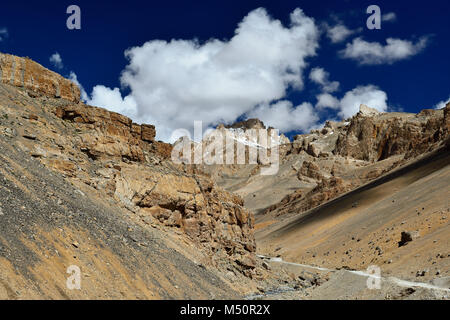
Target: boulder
{"points": [[406, 237]]}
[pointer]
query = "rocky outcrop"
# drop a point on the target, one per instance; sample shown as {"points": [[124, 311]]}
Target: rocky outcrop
{"points": [[121, 162], [311, 170], [37, 80], [247, 124], [135, 172], [300, 201], [376, 137], [341, 156], [367, 111], [148, 132], [211, 217], [446, 121], [114, 135]]}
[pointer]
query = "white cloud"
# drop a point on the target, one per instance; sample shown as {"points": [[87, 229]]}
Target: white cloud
{"points": [[56, 60], [321, 77], [442, 104], [285, 117], [326, 100], [113, 99], [372, 53], [339, 32], [369, 95], [389, 17], [174, 83], [73, 77], [348, 105], [3, 33]]}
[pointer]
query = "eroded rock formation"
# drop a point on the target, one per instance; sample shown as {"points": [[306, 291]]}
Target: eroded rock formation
{"points": [[121, 160], [23, 72]]}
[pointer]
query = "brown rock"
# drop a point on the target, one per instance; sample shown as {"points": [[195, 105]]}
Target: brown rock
{"points": [[63, 166], [148, 132], [22, 72], [121, 163], [380, 136], [407, 237], [247, 261], [136, 130]]}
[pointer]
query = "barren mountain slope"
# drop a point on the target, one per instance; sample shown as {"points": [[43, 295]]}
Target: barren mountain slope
{"points": [[47, 225], [85, 186], [364, 227], [326, 163]]}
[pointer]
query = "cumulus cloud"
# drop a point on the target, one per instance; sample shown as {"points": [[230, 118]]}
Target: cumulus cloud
{"points": [[3, 33], [369, 95], [326, 100], [285, 117], [442, 104], [321, 77], [373, 53], [56, 60], [73, 77], [113, 99], [339, 32], [389, 17], [348, 105], [174, 83]]}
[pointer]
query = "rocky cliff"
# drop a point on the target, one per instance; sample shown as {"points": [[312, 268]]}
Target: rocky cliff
{"points": [[376, 136], [328, 162], [346, 155], [39, 81], [84, 186], [107, 156]]}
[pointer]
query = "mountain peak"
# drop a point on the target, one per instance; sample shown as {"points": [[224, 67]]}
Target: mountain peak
{"points": [[248, 124]]}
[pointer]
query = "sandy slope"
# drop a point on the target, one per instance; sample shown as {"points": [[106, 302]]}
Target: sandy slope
{"points": [[363, 227]]}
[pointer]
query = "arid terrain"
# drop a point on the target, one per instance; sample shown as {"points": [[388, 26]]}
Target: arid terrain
{"points": [[83, 186]]}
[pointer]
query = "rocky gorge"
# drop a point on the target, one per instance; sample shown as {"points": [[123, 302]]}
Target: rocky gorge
{"points": [[81, 185]]}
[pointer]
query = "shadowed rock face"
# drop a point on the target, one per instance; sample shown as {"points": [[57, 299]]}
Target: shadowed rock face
{"points": [[248, 124], [22, 72]]}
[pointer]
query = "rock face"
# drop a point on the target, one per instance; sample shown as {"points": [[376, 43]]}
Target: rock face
{"points": [[212, 218], [379, 136], [248, 124], [367, 111], [116, 136], [326, 163], [119, 160], [23, 72], [148, 132], [142, 178]]}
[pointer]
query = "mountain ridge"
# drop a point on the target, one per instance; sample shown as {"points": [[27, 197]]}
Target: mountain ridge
{"points": [[85, 186]]}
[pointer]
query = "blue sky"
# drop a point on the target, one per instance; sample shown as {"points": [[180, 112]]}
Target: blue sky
{"points": [[413, 72]]}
